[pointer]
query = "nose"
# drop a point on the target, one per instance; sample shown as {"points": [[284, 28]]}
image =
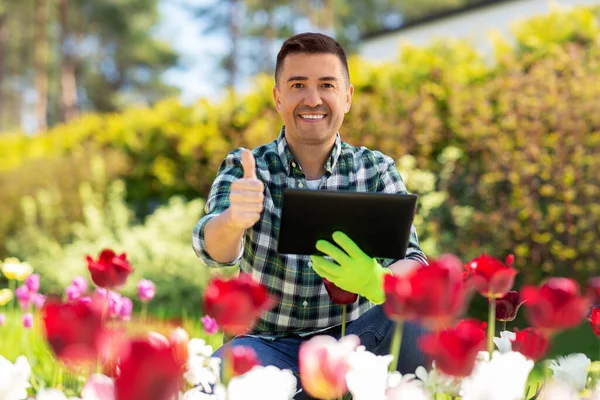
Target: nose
{"points": [[312, 98]]}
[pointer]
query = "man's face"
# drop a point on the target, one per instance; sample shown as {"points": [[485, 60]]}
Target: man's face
{"points": [[312, 95]]}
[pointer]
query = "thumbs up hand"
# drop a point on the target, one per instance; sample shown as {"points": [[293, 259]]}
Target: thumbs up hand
{"points": [[246, 195]]}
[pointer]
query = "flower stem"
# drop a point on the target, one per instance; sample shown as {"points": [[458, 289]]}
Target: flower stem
{"points": [[396, 344], [343, 320], [11, 286], [491, 326], [504, 325], [144, 312]]}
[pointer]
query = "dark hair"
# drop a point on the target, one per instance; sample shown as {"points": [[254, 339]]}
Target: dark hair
{"points": [[311, 43]]}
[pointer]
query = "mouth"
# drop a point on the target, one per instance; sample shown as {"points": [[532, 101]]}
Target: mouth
{"points": [[312, 118]]}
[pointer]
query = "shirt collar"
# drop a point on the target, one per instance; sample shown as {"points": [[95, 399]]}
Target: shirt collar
{"points": [[287, 158]]}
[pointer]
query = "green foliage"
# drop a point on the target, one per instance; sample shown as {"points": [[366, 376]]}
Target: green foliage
{"points": [[508, 152]]}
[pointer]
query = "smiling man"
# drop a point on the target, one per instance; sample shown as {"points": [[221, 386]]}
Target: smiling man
{"points": [[312, 93]]}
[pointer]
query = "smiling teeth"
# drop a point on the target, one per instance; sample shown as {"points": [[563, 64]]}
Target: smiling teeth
{"points": [[313, 116]]}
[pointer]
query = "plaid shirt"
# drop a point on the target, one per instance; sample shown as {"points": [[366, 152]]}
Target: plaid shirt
{"points": [[304, 307]]}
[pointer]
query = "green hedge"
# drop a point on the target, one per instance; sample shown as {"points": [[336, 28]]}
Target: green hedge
{"points": [[512, 148]]}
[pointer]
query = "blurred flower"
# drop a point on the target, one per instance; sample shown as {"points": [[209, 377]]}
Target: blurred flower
{"points": [[338, 295], [14, 378], [210, 324], [557, 391], [179, 341], [2, 319], [101, 293], [236, 303], [80, 283], [24, 297], [98, 387], [555, 305], [435, 381], [239, 360], [434, 295], [571, 370], [531, 343], [150, 371], [484, 383], [13, 269], [6, 295], [490, 276], [73, 292], [87, 300], [27, 320], [594, 320], [324, 363], [114, 304], [146, 290], [126, 309], [33, 283], [507, 306], [113, 345], [281, 385], [52, 394], [504, 341], [73, 330], [202, 369], [38, 300], [197, 394], [455, 350], [109, 271], [404, 387], [594, 289], [367, 377]]}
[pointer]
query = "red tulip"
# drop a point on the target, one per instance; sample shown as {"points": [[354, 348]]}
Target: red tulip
{"points": [[114, 347], [73, 331], [236, 303], [151, 371], [109, 271], [490, 276], [455, 350], [594, 289], [338, 295], [434, 295], [555, 305], [594, 320], [239, 360], [179, 341], [531, 343], [507, 306]]}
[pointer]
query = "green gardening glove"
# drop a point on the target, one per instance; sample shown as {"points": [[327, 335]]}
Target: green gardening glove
{"points": [[354, 272]]}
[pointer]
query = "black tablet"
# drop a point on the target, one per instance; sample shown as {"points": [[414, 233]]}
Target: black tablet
{"points": [[379, 223]]}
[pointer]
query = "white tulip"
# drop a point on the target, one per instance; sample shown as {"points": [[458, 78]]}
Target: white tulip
{"points": [[502, 378], [368, 374], [14, 378], [53, 394], [405, 387], [435, 381], [572, 370], [558, 391], [263, 383], [504, 342]]}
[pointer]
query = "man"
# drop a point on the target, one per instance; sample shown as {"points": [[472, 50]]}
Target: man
{"points": [[312, 93]]}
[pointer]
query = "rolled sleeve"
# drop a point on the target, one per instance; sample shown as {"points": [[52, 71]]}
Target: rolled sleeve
{"points": [[391, 182], [217, 202]]}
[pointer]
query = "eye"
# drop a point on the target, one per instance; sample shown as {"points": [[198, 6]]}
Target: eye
{"points": [[327, 85], [297, 85]]}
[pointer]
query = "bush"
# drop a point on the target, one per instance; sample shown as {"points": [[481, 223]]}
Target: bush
{"points": [[526, 132]]}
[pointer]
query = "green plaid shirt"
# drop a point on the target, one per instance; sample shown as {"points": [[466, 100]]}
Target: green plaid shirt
{"points": [[304, 307]]}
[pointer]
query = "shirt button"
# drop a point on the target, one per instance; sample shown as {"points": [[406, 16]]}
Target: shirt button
{"points": [[305, 303], [300, 185], [293, 164], [310, 263]]}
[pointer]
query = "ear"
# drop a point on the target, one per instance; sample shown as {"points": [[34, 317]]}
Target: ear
{"points": [[349, 93], [276, 98]]}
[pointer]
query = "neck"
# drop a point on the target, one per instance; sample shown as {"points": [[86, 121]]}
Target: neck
{"points": [[312, 158]]}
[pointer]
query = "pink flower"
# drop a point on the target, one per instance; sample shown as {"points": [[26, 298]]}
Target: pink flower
{"points": [[114, 304], [2, 319], [210, 324], [73, 292], [146, 290], [24, 297], [38, 300], [80, 283], [324, 364], [99, 387], [86, 300], [126, 309], [28, 320], [101, 293], [33, 283]]}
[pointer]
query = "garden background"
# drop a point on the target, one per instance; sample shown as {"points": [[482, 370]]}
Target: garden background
{"points": [[505, 156]]}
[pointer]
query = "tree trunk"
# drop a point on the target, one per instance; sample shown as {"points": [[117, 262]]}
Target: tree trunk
{"points": [[3, 38], [41, 63], [234, 31], [68, 82]]}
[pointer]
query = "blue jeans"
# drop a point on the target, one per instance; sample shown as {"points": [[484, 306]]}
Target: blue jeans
{"points": [[373, 328]]}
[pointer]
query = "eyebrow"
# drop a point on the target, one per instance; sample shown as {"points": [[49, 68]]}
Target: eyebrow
{"points": [[305, 78]]}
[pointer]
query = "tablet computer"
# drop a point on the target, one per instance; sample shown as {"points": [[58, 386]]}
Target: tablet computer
{"points": [[379, 223]]}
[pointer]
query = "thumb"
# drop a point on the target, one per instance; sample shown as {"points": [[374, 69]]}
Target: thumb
{"points": [[249, 164]]}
